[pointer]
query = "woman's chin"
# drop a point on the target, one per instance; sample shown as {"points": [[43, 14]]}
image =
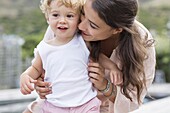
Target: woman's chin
{"points": [[87, 37]]}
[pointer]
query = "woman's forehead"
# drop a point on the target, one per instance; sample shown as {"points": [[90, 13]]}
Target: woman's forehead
{"points": [[91, 14]]}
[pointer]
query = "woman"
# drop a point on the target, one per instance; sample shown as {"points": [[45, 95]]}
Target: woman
{"points": [[128, 44]]}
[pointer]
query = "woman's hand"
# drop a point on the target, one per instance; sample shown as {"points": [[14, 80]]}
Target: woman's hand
{"points": [[97, 77], [42, 88], [96, 74]]}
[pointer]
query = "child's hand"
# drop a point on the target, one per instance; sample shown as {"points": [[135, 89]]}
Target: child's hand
{"points": [[26, 84], [116, 75]]}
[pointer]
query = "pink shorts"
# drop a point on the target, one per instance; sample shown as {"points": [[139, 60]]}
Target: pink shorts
{"points": [[92, 106]]}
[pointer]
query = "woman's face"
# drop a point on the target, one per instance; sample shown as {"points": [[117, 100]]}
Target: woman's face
{"points": [[93, 28]]}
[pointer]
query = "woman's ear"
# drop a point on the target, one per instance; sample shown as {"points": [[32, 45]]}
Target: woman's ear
{"points": [[117, 30]]}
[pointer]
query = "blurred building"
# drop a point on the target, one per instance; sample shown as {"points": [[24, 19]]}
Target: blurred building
{"points": [[10, 60]]}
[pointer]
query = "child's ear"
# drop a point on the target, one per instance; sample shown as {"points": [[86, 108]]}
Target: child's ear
{"points": [[117, 30], [46, 16], [47, 21]]}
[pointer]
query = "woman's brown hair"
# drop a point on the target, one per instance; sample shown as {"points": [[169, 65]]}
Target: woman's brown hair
{"points": [[131, 49]]}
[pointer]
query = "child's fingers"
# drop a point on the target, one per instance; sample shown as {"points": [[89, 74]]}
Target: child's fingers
{"points": [[113, 78], [120, 79], [116, 78], [33, 81], [30, 85], [25, 89]]}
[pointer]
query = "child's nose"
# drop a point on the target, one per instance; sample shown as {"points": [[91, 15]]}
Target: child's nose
{"points": [[62, 20]]}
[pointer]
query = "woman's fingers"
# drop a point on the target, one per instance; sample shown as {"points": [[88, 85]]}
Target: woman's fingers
{"points": [[43, 88], [99, 84], [95, 65], [43, 91], [95, 68], [96, 74], [41, 83]]}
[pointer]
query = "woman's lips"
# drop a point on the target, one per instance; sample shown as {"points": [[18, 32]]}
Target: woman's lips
{"points": [[83, 33]]}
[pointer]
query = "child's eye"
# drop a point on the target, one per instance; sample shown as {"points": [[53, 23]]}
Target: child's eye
{"points": [[55, 15], [70, 16]]}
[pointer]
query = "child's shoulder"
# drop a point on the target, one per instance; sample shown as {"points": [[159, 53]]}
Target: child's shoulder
{"points": [[50, 41]]}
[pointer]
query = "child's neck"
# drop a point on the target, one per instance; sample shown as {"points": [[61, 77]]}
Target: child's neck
{"points": [[56, 41]]}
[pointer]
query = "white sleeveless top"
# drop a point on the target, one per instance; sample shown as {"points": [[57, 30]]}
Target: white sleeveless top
{"points": [[66, 68]]}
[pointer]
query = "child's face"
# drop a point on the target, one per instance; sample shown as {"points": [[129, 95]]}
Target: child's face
{"points": [[63, 20]]}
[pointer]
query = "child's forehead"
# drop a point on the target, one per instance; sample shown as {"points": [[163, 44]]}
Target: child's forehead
{"points": [[70, 2], [59, 3], [75, 4]]}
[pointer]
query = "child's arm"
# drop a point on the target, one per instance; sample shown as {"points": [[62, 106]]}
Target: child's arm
{"points": [[30, 75], [115, 74]]}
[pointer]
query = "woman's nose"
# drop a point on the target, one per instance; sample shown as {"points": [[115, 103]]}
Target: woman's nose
{"points": [[82, 24]]}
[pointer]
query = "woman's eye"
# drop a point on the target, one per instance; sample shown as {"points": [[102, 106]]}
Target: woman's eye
{"points": [[93, 26]]}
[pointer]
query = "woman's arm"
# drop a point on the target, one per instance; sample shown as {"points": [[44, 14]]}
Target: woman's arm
{"points": [[97, 77], [106, 62], [115, 73]]}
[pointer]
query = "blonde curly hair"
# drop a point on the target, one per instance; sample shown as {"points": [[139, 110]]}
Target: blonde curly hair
{"points": [[76, 4]]}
